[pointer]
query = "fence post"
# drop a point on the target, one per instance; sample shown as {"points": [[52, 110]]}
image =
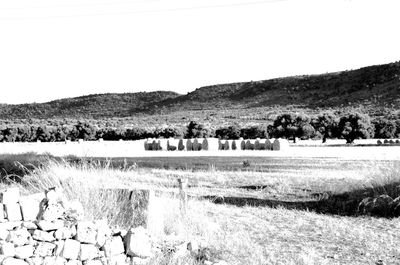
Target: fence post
{"points": [[182, 184]]}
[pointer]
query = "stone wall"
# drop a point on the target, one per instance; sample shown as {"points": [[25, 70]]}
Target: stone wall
{"points": [[45, 228]]}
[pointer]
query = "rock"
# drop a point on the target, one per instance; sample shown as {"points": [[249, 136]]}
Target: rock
{"points": [[103, 232], [44, 249], [2, 213], [74, 211], [94, 262], [382, 205], [29, 225], [7, 249], [13, 211], [4, 234], [86, 232], [117, 260], [19, 236], [43, 236], [35, 261], [10, 196], [30, 209], [55, 196], [24, 252], [365, 206], [46, 225], [88, 252], [13, 261], [138, 243], [10, 225], [54, 261], [65, 232], [71, 249], [59, 247], [52, 212], [113, 246], [139, 261], [74, 262]]}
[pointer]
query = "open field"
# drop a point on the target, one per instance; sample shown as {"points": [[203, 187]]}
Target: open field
{"points": [[301, 211]]}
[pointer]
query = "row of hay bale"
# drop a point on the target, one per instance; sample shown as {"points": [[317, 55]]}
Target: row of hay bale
{"points": [[388, 142], [214, 144]]}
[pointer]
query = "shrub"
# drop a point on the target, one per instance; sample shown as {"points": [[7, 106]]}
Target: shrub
{"points": [[195, 130], [384, 128], [326, 125], [354, 126], [231, 132]]}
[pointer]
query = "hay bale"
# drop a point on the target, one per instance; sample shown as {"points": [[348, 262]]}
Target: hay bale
{"points": [[189, 145], [379, 142], [172, 144], [386, 141], [196, 145], [220, 146], [163, 144], [268, 144], [397, 141], [242, 144], [234, 147], [280, 144], [181, 146], [211, 144], [249, 145], [391, 141], [226, 145], [257, 145]]}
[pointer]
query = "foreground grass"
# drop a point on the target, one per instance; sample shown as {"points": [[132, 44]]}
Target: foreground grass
{"points": [[246, 235]]}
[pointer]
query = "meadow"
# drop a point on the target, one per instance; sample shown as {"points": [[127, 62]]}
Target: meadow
{"points": [[251, 210]]}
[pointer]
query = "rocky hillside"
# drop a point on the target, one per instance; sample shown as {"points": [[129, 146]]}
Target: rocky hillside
{"points": [[373, 86]]}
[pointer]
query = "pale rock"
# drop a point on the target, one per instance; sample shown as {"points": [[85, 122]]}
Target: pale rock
{"points": [[47, 225], [43, 236], [29, 225], [13, 211], [55, 196], [10, 196], [53, 212], [34, 261], [71, 249], [94, 262], [10, 225], [24, 252], [113, 246], [118, 260], [59, 247], [4, 234], [44, 249], [7, 249], [138, 243], [19, 236], [139, 261], [54, 261], [86, 232], [65, 232], [30, 209], [103, 232], [14, 261], [88, 252], [2, 213], [74, 210]]}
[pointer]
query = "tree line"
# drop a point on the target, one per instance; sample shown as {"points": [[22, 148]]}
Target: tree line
{"points": [[324, 126]]}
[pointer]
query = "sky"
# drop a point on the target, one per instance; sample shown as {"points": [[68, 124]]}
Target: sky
{"points": [[51, 49]]}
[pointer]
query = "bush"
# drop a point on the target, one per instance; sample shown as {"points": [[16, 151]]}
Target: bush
{"points": [[384, 128], [355, 126]]}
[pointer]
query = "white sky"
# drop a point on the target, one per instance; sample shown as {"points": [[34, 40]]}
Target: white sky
{"points": [[64, 48]]}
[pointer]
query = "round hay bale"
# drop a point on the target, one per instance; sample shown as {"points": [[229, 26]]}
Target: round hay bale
{"points": [[280, 144], [205, 144], [234, 147], [397, 141], [172, 144], [220, 145], [391, 141], [189, 145], [196, 145], [386, 141], [379, 142], [226, 145], [257, 145], [181, 146], [242, 145], [268, 144]]}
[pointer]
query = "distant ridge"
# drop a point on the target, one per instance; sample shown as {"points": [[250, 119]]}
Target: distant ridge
{"points": [[373, 86]]}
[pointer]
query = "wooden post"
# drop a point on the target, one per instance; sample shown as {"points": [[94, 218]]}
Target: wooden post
{"points": [[182, 184]]}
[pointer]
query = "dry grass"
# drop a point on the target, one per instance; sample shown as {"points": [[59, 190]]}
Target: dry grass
{"points": [[246, 235]]}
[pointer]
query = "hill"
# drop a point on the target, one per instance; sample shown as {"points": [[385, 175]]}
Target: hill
{"points": [[371, 87]]}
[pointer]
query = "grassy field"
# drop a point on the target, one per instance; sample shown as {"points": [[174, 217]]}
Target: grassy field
{"points": [[266, 211]]}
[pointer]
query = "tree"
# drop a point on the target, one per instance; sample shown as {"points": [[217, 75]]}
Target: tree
{"points": [[326, 124], [195, 130], [384, 128], [254, 132], [290, 125], [230, 132], [354, 126]]}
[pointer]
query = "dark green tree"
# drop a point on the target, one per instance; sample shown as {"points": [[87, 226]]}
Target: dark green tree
{"points": [[355, 126]]}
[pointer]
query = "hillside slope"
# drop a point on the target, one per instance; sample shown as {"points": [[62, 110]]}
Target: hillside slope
{"points": [[373, 87]]}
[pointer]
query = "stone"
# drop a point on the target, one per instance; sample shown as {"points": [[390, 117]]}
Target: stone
{"points": [[24, 252], [118, 260], [14, 261], [59, 247], [44, 249], [34, 261], [43, 236], [88, 252], [10, 196], [140, 261], [74, 211], [138, 243], [55, 196], [52, 212], [86, 232], [7, 249], [13, 211], [113, 246], [65, 232], [2, 213], [46, 225], [54, 261], [19, 236], [30, 209], [71, 249], [10, 225], [94, 262], [29, 225], [103, 232], [74, 262], [4, 234]]}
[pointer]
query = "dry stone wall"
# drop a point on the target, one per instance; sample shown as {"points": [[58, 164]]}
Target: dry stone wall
{"points": [[46, 229]]}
